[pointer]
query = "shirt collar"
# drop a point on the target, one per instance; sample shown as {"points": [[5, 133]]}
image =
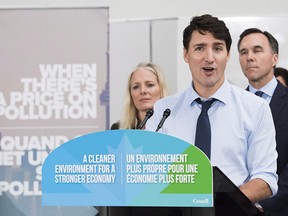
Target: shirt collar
{"points": [[221, 94], [268, 89]]}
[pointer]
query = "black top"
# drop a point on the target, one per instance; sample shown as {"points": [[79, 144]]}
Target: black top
{"points": [[115, 126]]}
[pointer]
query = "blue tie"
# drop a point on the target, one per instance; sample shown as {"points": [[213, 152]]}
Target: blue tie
{"points": [[259, 93], [203, 130]]}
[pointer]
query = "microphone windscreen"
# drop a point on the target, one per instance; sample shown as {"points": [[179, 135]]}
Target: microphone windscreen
{"points": [[167, 112], [149, 112]]}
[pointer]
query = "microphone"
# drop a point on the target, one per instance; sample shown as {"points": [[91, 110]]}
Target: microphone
{"points": [[149, 113], [166, 114]]}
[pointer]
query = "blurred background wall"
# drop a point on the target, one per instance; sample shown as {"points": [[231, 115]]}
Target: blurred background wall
{"points": [[152, 31]]}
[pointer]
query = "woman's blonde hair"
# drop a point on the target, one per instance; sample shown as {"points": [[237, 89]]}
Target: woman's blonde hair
{"points": [[130, 118]]}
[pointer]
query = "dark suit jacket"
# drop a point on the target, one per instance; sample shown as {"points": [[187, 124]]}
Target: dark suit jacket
{"points": [[278, 205], [279, 109]]}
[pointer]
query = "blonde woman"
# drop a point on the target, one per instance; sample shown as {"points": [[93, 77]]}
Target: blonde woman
{"points": [[145, 86]]}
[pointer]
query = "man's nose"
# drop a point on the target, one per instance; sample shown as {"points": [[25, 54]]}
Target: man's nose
{"points": [[209, 56]]}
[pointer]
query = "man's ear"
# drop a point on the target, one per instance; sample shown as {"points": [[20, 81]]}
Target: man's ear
{"points": [[228, 56], [185, 55], [275, 59]]}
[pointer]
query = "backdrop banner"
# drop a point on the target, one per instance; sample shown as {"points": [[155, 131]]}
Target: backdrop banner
{"points": [[54, 87]]}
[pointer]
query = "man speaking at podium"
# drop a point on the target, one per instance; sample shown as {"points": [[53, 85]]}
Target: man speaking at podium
{"points": [[235, 128]]}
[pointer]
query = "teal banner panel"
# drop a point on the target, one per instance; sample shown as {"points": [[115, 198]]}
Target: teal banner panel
{"points": [[127, 168]]}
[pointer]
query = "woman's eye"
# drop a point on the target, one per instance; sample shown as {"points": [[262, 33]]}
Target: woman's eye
{"points": [[150, 85]]}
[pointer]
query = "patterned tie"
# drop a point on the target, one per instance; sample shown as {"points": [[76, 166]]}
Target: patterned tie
{"points": [[203, 130], [259, 93]]}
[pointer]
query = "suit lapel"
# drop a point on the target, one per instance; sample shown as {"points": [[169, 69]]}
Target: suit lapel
{"points": [[277, 101]]}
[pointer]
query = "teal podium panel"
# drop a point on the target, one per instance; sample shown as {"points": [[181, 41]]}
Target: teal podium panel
{"points": [[127, 168]]}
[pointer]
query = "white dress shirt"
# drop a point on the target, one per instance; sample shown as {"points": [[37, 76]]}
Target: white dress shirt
{"points": [[268, 89], [243, 142]]}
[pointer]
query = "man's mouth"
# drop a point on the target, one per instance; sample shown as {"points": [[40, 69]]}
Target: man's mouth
{"points": [[208, 69], [251, 67]]}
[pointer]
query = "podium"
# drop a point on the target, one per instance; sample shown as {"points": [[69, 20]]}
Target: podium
{"points": [[228, 201], [139, 173]]}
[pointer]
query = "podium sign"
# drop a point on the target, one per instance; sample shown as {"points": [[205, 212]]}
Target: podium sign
{"points": [[127, 168]]}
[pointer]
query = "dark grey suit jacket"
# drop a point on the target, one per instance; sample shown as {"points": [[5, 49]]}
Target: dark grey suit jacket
{"points": [[279, 109], [278, 205]]}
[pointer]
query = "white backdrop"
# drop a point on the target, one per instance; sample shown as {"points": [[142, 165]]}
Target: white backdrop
{"points": [[160, 41]]}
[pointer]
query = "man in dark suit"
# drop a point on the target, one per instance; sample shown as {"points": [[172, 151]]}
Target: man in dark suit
{"points": [[258, 56]]}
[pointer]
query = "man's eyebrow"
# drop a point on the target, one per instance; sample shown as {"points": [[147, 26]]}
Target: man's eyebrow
{"points": [[219, 43], [257, 47], [243, 49], [200, 44]]}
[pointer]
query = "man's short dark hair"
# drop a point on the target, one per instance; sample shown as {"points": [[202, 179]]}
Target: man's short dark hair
{"points": [[272, 41], [207, 24]]}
